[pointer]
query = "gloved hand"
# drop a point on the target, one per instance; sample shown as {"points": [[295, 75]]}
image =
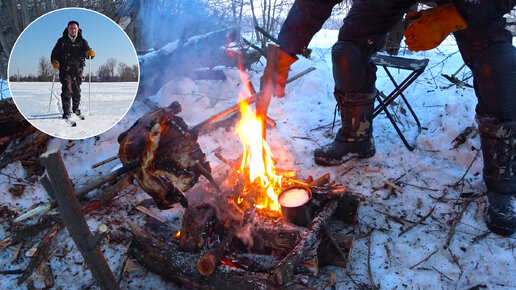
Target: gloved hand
{"points": [[55, 64], [431, 26], [284, 62], [90, 53]]}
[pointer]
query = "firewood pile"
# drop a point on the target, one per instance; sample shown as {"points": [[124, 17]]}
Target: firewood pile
{"points": [[226, 242]]}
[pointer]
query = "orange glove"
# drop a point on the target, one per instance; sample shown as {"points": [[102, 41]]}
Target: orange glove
{"points": [[55, 64], [285, 60], [90, 53], [432, 26]]}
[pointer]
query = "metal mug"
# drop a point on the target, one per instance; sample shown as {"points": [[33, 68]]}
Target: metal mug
{"points": [[296, 211]]}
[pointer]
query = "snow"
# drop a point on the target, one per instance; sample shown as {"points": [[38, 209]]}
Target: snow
{"points": [[428, 177], [109, 103]]}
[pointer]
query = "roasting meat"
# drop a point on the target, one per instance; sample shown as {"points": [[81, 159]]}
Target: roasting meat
{"points": [[170, 158]]}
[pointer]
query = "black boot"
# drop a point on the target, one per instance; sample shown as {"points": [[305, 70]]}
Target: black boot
{"points": [[499, 151], [356, 134]]}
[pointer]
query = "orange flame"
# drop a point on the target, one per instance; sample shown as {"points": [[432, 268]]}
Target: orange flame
{"points": [[257, 159], [178, 234]]}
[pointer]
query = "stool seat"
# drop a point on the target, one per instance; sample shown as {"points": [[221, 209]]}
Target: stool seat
{"points": [[416, 66]]}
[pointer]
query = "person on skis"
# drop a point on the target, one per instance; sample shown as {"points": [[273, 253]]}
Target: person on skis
{"points": [[69, 56], [486, 48]]}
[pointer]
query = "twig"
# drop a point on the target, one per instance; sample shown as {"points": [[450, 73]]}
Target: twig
{"points": [[461, 180], [442, 274], [395, 218], [369, 273], [418, 222], [397, 188], [122, 270], [456, 222], [422, 261], [419, 187]]}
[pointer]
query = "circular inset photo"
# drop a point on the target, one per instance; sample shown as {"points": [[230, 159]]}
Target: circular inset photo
{"points": [[73, 73]]}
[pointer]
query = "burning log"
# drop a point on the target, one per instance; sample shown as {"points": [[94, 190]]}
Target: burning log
{"points": [[285, 269], [168, 261]]}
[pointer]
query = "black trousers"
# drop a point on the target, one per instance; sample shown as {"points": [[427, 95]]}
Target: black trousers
{"points": [[71, 81], [486, 50]]}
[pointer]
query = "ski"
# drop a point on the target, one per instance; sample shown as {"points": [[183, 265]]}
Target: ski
{"points": [[70, 122]]}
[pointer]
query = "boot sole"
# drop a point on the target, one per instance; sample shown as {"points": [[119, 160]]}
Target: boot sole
{"points": [[334, 162]]}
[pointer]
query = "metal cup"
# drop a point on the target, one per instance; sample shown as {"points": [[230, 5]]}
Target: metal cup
{"points": [[294, 203]]}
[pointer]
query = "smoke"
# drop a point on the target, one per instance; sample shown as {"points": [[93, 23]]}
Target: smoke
{"points": [[166, 21]]}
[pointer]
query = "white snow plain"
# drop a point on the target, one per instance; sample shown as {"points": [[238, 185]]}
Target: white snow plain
{"points": [[434, 178], [109, 103]]}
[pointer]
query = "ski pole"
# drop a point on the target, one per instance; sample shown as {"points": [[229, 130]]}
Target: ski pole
{"points": [[51, 90], [89, 89]]}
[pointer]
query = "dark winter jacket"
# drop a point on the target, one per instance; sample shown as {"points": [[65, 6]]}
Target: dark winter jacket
{"points": [[71, 56], [306, 17]]}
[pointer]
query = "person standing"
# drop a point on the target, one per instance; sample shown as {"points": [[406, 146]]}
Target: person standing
{"points": [[69, 56], [486, 48]]}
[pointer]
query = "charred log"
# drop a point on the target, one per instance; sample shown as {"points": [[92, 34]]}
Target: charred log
{"points": [[168, 261]]}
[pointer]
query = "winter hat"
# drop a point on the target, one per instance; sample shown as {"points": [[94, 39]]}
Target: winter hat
{"points": [[73, 22]]}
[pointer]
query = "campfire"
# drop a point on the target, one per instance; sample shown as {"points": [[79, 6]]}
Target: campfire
{"points": [[259, 227]]}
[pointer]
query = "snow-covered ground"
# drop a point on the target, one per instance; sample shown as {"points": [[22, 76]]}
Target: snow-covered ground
{"points": [[435, 178], [109, 103]]}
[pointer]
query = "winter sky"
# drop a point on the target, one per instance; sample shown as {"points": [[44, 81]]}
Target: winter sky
{"points": [[39, 38]]}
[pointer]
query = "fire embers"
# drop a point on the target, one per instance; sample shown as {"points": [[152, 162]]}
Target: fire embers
{"points": [[170, 159]]}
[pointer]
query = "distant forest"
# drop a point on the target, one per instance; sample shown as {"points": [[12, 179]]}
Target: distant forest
{"points": [[111, 71]]}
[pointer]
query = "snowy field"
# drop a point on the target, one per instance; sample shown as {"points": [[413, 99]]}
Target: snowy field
{"points": [[109, 103], [437, 181]]}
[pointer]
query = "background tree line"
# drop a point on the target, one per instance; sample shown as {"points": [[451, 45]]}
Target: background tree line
{"points": [[150, 24], [111, 71]]}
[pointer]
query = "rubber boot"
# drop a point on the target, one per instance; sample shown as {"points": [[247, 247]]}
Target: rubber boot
{"points": [[356, 134], [499, 151]]}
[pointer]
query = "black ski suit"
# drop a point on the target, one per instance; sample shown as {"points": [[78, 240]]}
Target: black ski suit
{"points": [[71, 57], [486, 48]]}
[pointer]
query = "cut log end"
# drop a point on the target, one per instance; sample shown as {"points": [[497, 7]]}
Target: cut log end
{"points": [[206, 264]]}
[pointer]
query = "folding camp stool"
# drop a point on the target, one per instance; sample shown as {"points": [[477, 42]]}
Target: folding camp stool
{"points": [[416, 66]]}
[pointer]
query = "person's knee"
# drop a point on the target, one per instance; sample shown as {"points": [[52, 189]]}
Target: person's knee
{"points": [[495, 72], [346, 54], [352, 69]]}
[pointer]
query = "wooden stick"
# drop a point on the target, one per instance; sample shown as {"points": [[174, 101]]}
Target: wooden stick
{"points": [[42, 250], [369, 272], [74, 221], [112, 158], [269, 75], [235, 108], [418, 222], [422, 261]]}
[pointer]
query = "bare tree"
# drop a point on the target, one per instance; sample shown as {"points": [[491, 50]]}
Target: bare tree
{"points": [[44, 69], [111, 64], [104, 73]]}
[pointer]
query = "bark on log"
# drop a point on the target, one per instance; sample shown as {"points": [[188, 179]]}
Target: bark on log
{"points": [[172, 264], [285, 269], [19, 140], [74, 221], [41, 252]]}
